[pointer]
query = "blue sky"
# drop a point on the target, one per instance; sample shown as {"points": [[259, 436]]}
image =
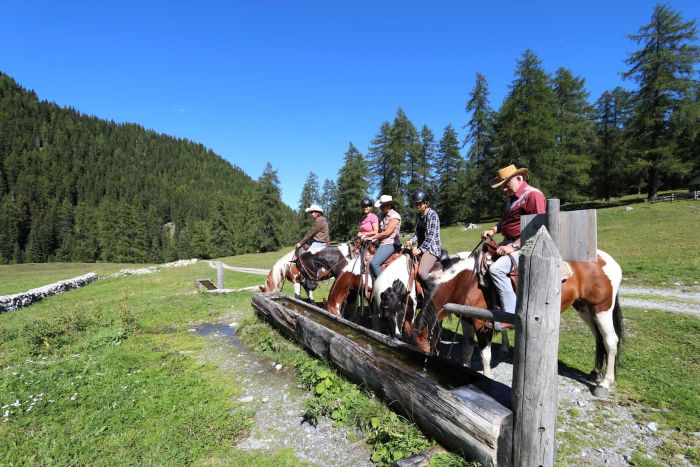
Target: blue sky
{"points": [[293, 82]]}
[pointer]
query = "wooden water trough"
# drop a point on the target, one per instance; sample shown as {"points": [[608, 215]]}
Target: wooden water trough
{"points": [[459, 407], [479, 418]]}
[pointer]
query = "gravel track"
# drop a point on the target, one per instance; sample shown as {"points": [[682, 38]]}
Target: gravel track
{"points": [[272, 392]]}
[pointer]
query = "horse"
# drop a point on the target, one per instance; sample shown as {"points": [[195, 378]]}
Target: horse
{"points": [[285, 268], [351, 280], [592, 289], [325, 263], [394, 295]]}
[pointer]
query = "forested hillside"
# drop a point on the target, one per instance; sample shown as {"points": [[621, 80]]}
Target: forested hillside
{"points": [[77, 188]]}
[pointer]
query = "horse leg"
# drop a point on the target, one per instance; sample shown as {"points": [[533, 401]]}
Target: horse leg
{"points": [[587, 316], [469, 341], [604, 320], [485, 351], [505, 345], [297, 290]]}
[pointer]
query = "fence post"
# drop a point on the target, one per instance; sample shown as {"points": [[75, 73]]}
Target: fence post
{"points": [[219, 276], [535, 379]]}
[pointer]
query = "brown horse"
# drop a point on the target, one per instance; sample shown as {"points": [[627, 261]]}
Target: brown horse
{"points": [[592, 290], [352, 279]]}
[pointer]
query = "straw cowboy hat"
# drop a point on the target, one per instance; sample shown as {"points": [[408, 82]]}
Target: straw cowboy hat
{"points": [[505, 174], [314, 207], [384, 199]]}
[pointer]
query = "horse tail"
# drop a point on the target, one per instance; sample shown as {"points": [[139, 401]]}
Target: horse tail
{"points": [[619, 326]]}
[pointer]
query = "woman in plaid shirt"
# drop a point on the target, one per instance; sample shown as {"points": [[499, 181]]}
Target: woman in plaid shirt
{"points": [[427, 236]]}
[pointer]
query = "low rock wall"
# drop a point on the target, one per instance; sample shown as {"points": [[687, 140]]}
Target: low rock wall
{"points": [[22, 299]]}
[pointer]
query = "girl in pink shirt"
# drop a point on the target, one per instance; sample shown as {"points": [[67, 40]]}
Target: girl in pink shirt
{"points": [[370, 222]]}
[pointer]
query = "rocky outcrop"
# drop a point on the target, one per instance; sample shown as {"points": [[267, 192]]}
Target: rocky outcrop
{"points": [[20, 300]]}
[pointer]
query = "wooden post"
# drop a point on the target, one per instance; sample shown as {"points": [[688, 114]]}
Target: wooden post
{"points": [[553, 220], [536, 347], [219, 276]]}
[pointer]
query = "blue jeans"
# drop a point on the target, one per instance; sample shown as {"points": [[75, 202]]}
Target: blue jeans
{"points": [[499, 277], [317, 246], [382, 254]]}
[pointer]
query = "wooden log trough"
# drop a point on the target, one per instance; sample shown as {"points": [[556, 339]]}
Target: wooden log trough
{"points": [[463, 410]]}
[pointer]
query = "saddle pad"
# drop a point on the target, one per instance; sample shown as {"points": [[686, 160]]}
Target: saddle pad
{"points": [[315, 249]]}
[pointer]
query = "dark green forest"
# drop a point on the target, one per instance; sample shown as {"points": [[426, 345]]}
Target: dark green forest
{"points": [[77, 188], [639, 139]]}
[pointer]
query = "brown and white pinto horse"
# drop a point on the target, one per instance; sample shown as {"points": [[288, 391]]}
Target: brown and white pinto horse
{"points": [[285, 268], [592, 290]]}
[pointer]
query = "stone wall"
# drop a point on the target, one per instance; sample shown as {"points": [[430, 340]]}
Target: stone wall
{"points": [[19, 300]]}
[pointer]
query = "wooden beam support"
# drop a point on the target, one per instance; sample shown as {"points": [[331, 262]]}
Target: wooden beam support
{"points": [[535, 379], [481, 313]]}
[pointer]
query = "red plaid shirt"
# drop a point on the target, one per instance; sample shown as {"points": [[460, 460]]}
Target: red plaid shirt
{"points": [[527, 200]]}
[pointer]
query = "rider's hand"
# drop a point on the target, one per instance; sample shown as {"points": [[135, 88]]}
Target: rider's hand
{"points": [[297, 245], [487, 234], [505, 250]]}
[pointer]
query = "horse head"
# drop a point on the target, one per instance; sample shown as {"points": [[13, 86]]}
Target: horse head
{"points": [[394, 305]]}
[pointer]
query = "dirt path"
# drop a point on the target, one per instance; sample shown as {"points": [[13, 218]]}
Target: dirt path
{"points": [[675, 301], [272, 392]]}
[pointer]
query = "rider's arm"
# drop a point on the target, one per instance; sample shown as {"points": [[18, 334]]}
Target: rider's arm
{"points": [[386, 233], [312, 231], [432, 232]]}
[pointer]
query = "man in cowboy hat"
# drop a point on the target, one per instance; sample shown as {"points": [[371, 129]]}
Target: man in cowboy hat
{"points": [[318, 233], [522, 199]]}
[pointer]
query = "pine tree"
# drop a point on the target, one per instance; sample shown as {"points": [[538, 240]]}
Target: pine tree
{"points": [[379, 158], [353, 185], [481, 161], [309, 195], [270, 234], [449, 164], [575, 136], [9, 230], [611, 154], [328, 198], [526, 124], [221, 231], [664, 69]]}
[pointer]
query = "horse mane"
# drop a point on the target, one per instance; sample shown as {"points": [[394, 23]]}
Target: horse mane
{"points": [[280, 268], [429, 315]]}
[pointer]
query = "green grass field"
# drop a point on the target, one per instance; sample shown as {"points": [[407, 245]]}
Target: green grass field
{"points": [[96, 376]]}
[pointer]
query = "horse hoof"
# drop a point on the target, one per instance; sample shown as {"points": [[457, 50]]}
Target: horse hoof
{"points": [[600, 391]]}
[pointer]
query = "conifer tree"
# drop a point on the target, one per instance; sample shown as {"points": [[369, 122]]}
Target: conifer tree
{"points": [[309, 194], [9, 229], [379, 159], [269, 235], [664, 69], [449, 164], [221, 231], [328, 196], [526, 125], [575, 135], [352, 186], [481, 161], [611, 154]]}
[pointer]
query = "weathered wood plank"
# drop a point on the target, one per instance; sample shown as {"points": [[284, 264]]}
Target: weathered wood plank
{"points": [[536, 347], [481, 313], [474, 429], [577, 231], [579, 235]]}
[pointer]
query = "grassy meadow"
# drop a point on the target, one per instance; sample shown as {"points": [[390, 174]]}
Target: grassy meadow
{"points": [[111, 374]]}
